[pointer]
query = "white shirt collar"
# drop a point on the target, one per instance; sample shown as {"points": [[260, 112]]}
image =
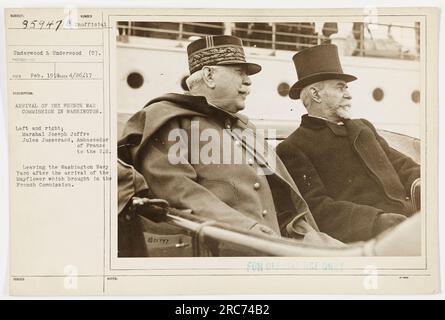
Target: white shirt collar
{"points": [[339, 123]]}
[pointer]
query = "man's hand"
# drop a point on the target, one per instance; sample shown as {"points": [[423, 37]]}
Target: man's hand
{"points": [[385, 221], [265, 230]]}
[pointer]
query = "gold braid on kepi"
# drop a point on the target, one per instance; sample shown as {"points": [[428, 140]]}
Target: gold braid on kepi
{"points": [[218, 50]]}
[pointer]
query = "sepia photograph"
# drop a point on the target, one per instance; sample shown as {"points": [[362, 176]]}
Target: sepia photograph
{"points": [[269, 138], [222, 151]]}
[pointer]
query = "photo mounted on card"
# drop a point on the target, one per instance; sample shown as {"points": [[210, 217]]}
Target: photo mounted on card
{"points": [[223, 151]]}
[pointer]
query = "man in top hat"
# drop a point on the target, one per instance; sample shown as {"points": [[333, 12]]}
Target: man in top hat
{"points": [[255, 192], [355, 184]]}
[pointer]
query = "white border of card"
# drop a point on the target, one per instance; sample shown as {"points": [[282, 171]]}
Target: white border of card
{"points": [[65, 243]]}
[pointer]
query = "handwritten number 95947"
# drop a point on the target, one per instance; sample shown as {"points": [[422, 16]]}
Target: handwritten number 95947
{"points": [[42, 24]]}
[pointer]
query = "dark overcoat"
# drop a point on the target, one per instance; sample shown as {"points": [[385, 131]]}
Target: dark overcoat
{"points": [[348, 175], [236, 194]]}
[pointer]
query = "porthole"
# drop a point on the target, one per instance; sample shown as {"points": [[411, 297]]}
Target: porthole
{"points": [[283, 89], [378, 94], [415, 96], [135, 80]]}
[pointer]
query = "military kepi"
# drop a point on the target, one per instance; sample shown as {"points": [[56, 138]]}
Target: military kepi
{"points": [[218, 50], [316, 64]]}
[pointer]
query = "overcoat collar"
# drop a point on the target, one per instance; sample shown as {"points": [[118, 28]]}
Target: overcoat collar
{"points": [[350, 128], [354, 130], [363, 140], [143, 124]]}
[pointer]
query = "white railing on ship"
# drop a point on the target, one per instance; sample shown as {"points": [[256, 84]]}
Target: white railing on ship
{"points": [[302, 40]]}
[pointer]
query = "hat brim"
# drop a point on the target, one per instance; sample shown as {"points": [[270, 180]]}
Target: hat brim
{"points": [[295, 90], [252, 68]]}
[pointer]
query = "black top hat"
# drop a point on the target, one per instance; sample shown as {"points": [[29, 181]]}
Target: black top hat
{"points": [[316, 64], [218, 50]]}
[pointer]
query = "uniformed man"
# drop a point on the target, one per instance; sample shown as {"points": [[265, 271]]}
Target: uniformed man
{"points": [[168, 142]]}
